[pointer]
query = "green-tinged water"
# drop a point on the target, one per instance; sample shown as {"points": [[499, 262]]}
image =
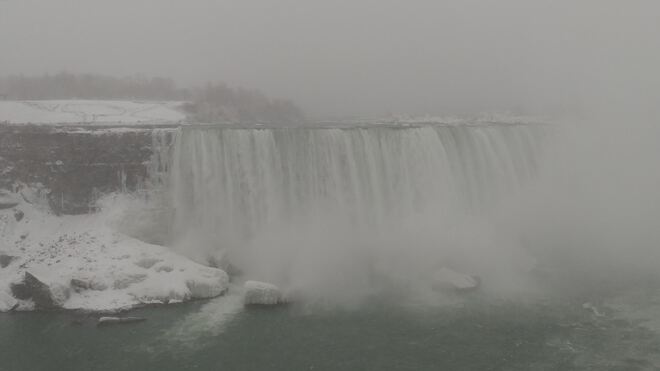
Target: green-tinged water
{"points": [[470, 334]]}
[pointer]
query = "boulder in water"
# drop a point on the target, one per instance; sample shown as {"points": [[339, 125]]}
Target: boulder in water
{"points": [[262, 293], [448, 279], [123, 280], [103, 321], [210, 283]]}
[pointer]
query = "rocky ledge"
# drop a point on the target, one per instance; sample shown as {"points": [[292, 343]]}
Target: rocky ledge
{"points": [[75, 164]]}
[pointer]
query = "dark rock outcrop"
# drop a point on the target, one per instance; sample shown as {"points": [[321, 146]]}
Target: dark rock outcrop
{"points": [[40, 293], [262, 293], [75, 163], [5, 260], [79, 285], [7, 200], [19, 215]]}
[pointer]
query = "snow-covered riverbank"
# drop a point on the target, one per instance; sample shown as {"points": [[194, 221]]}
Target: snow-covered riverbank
{"points": [[81, 262]]}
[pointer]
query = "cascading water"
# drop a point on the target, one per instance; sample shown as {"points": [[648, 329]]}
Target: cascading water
{"points": [[258, 194]]}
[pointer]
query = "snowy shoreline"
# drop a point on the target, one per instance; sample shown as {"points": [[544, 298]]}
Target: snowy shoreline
{"points": [[81, 263]]}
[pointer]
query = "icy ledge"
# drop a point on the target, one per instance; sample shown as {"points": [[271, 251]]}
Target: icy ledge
{"points": [[79, 262], [262, 293]]}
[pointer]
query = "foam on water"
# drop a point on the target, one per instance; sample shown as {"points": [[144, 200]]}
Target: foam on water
{"points": [[349, 209]]}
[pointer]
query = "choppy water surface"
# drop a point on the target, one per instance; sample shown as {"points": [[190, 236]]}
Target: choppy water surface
{"points": [[473, 333]]}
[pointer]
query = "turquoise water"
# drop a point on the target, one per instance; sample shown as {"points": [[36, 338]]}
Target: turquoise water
{"points": [[473, 333]]}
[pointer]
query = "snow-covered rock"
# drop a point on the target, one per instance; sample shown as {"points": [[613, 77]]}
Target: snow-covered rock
{"points": [[211, 282], [83, 263], [445, 278], [79, 285], [262, 293], [44, 295], [116, 320]]}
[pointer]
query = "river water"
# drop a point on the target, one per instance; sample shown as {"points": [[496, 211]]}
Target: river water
{"points": [[472, 332]]}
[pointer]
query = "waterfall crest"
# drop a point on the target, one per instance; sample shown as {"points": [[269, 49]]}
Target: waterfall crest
{"points": [[231, 182]]}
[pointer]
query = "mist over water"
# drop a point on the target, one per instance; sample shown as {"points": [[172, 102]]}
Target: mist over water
{"points": [[340, 214], [344, 214], [593, 212]]}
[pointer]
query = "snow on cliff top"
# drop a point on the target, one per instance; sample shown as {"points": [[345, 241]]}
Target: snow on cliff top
{"points": [[92, 112]]}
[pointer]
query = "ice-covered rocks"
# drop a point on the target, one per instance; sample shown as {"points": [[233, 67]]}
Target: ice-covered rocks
{"points": [[104, 321], [262, 293], [448, 279], [43, 295], [79, 262], [124, 280], [210, 283]]}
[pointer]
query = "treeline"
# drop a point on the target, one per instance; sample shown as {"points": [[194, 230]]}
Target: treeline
{"points": [[69, 86], [212, 103], [215, 102]]}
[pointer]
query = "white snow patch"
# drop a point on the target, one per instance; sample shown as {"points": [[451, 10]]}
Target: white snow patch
{"points": [[109, 268], [99, 112], [262, 293]]}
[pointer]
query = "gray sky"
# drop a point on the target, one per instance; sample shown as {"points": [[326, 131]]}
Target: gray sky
{"points": [[347, 57]]}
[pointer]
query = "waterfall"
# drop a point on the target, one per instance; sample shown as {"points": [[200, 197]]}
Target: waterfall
{"points": [[230, 183], [158, 164]]}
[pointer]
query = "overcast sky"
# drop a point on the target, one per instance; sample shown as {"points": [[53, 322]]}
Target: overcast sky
{"points": [[350, 57]]}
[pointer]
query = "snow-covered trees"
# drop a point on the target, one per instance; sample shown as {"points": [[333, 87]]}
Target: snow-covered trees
{"points": [[212, 103]]}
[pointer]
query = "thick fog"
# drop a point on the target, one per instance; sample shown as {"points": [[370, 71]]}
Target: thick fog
{"points": [[592, 209], [365, 57]]}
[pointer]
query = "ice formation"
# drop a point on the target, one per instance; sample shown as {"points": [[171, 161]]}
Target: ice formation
{"points": [[79, 262], [262, 293]]}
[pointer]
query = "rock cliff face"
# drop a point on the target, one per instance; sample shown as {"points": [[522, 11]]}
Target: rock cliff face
{"points": [[77, 164]]}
